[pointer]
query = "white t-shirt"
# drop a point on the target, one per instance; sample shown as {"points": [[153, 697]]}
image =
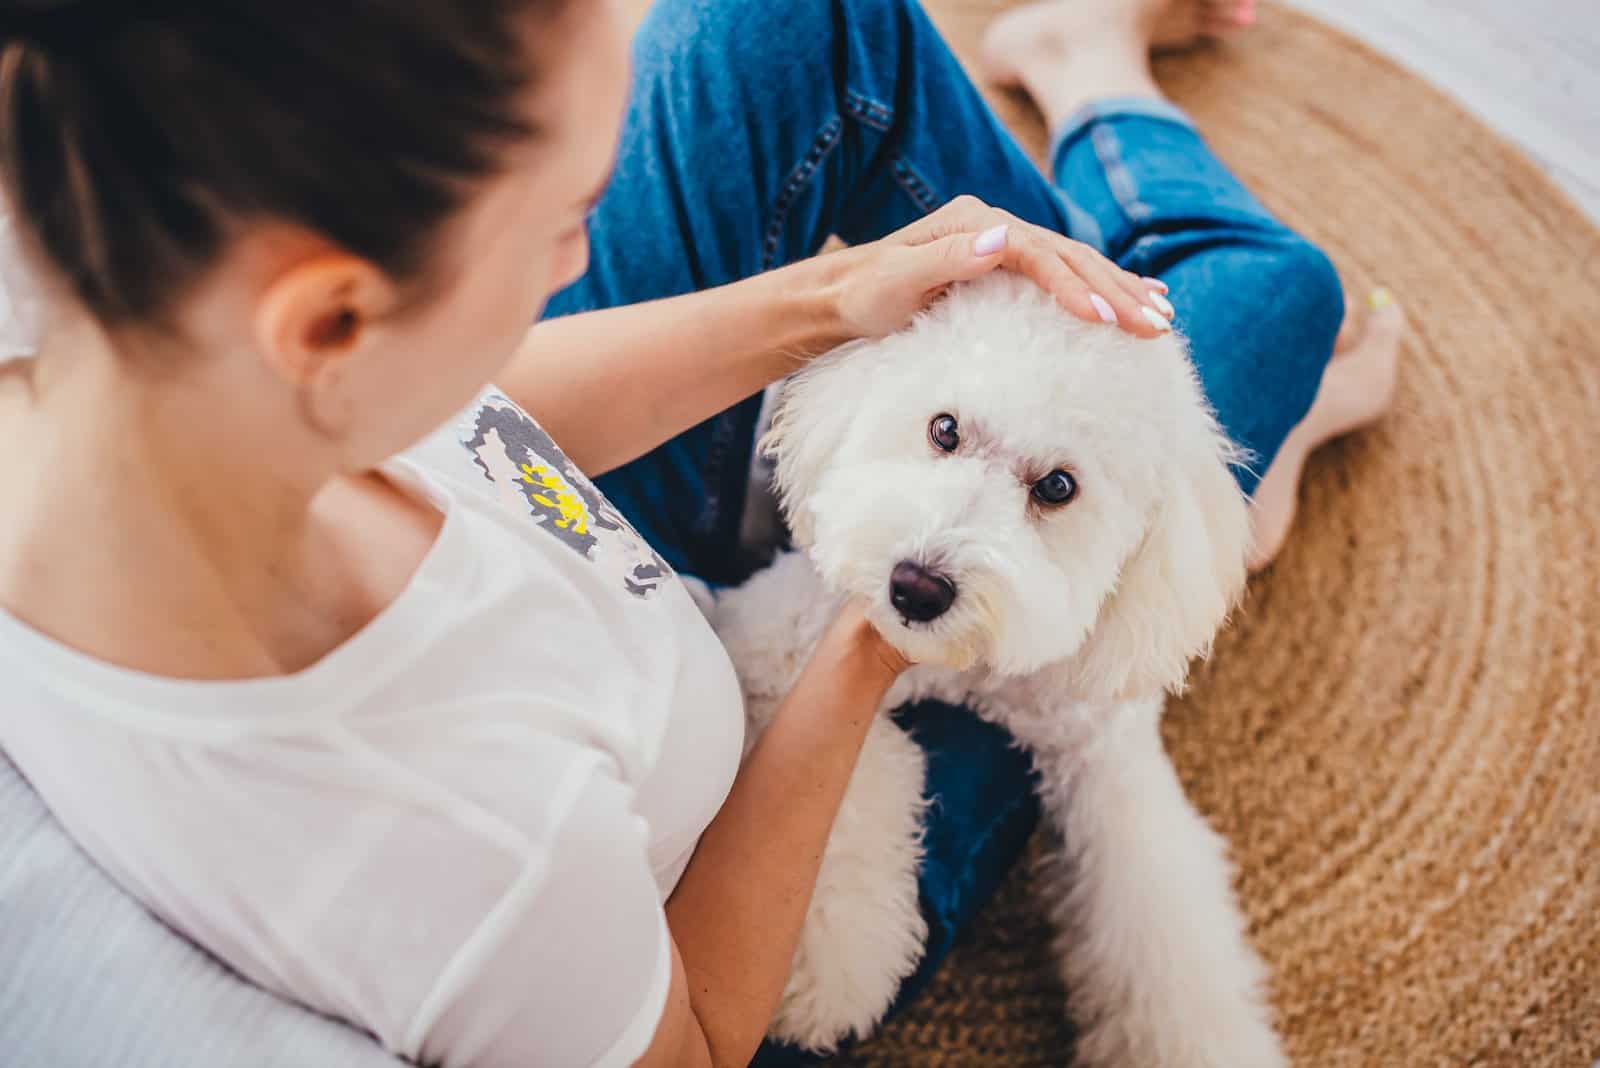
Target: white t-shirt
{"points": [[457, 830]]}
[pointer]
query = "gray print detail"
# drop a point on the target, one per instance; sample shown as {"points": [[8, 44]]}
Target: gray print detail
{"points": [[561, 499]]}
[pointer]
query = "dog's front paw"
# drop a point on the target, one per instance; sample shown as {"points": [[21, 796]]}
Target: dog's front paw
{"points": [[1239, 1037], [864, 932]]}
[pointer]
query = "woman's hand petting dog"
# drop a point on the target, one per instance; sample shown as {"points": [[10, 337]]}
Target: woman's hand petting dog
{"points": [[881, 285]]}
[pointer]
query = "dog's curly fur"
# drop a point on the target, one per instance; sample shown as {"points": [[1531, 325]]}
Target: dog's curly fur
{"points": [[1069, 624]]}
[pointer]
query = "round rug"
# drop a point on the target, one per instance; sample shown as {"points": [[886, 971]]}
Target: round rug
{"points": [[1400, 735]]}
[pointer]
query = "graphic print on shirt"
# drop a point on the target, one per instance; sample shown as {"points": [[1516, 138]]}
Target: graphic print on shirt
{"points": [[515, 453]]}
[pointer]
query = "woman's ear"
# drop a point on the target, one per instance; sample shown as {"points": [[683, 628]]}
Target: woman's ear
{"points": [[1179, 585], [312, 318], [318, 312]]}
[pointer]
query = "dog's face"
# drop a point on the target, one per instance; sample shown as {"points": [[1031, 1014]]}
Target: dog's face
{"points": [[1009, 487]]}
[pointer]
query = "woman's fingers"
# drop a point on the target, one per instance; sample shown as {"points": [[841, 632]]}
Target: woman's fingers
{"points": [[966, 238], [1140, 290], [930, 266], [1110, 298], [1074, 292], [964, 214], [1126, 293], [1115, 296], [1158, 297]]}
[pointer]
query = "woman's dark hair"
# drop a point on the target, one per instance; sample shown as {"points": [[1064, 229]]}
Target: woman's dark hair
{"points": [[133, 132]]}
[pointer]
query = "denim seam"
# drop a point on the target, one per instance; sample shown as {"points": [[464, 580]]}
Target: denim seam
{"points": [[923, 195], [1081, 225], [821, 145], [1108, 150], [1107, 110], [878, 116]]}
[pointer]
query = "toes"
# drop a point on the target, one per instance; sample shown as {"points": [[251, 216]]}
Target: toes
{"points": [[1384, 332], [1382, 327], [1388, 319], [1221, 25], [1224, 16]]}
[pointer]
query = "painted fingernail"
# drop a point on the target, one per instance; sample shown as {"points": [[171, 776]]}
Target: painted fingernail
{"points": [[1380, 298], [990, 241], [1156, 319], [1157, 284], [1103, 308], [1163, 305]]}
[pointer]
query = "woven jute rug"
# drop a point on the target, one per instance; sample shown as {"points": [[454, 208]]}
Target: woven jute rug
{"points": [[1401, 733]]}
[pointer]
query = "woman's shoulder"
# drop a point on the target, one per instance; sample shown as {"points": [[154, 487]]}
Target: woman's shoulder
{"points": [[494, 450]]}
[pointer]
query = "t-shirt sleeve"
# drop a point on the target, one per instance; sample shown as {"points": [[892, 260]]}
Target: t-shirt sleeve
{"points": [[573, 966]]}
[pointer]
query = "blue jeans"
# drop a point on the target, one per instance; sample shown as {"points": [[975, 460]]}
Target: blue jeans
{"points": [[758, 129]]}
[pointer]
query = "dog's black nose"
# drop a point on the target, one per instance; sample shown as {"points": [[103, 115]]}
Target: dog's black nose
{"points": [[919, 594]]}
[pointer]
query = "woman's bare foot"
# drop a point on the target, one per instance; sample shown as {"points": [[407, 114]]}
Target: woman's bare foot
{"points": [[1065, 53], [1357, 389]]}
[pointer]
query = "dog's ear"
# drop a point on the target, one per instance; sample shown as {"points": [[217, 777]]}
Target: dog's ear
{"points": [[1179, 585], [813, 413]]}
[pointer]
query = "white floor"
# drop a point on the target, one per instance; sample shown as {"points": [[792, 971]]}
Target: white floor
{"points": [[1530, 68]]}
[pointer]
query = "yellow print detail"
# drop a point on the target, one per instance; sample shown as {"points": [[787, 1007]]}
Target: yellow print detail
{"points": [[574, 513]]}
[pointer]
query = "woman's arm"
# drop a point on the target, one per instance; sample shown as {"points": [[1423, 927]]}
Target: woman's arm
{"points": [[736, 914], [655, 369]]}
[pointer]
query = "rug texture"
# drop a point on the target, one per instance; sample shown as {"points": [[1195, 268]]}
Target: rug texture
{"points": [[1400, 734]]}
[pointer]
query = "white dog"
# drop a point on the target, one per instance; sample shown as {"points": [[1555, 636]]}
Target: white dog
{"points": [[1040, 513]]}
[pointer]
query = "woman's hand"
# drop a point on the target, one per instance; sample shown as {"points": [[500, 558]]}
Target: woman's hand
{"points": [[851, 636], [880, 286]]}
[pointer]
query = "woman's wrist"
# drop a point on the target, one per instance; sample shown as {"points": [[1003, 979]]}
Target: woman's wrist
{"points": [[808, 294], [854, 648]]}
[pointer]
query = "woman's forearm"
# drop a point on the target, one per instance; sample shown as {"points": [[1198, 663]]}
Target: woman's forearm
{"points": [[611, 385], [737, 912]]}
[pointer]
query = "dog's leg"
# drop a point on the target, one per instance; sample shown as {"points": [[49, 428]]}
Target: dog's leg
{"points": [[1157, 968], [864, 932]]}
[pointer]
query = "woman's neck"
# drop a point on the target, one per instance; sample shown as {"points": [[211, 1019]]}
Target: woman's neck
{"points": [[163, 522]]}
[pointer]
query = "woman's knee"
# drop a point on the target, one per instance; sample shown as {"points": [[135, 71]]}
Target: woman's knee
{"points": [[1261, 312], [1305, 299], [1306, 290], [1292, 295]]}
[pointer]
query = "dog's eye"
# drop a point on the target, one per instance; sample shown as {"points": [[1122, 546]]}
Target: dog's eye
{"points": [[942, 432], [1057, 487]]}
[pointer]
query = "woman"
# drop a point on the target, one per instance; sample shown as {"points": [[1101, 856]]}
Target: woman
{"points": [[413, 725]]}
